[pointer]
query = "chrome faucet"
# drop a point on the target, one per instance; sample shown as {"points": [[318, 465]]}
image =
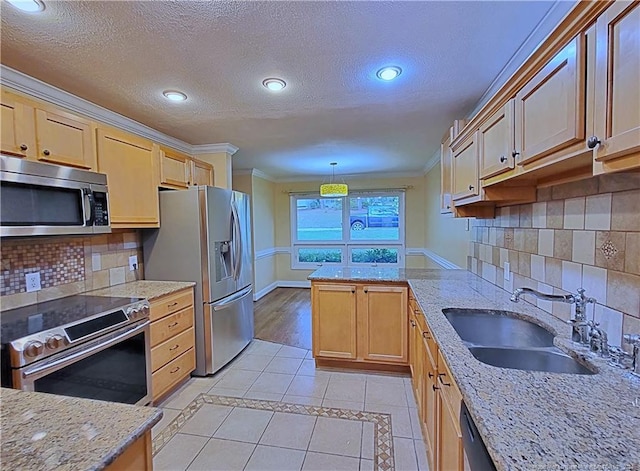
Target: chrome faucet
{"points": [[598, 342], [634, 341], [581, 328]]}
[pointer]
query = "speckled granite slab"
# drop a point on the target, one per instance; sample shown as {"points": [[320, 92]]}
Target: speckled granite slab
{"points": [[143, 289], [528, 420], [46, 432]]}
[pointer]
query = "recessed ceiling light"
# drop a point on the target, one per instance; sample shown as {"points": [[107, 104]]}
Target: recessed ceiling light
{"points": [[274, 84], [389, 73], [30, 6], [174, 95]]}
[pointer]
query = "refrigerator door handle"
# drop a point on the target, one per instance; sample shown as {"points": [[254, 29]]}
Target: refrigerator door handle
{"points": [[237, 241], [232, 299]]}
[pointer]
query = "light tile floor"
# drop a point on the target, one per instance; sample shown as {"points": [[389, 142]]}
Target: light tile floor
{"points": [[231, 437]]}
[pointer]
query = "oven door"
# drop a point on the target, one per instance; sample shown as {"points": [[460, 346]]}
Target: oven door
{"points": [[115, 367]]}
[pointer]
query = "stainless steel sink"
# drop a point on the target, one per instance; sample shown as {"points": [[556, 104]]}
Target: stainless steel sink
{"points": [[497, 329], [552, 359], [501, 339]]}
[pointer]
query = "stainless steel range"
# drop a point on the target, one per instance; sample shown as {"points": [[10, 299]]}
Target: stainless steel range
{"points": [[84, 346]]}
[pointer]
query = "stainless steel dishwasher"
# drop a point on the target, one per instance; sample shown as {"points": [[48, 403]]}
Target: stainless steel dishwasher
{"points": [[476, 451]]}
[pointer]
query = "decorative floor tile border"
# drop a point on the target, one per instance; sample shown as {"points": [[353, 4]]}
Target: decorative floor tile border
{"points": [[382, 438]]}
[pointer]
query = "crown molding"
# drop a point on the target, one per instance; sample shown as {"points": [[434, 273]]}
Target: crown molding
{"points": [[543, 29], [260, 174], [214, 149], [431, 162], [36, 88], [347, 177]]}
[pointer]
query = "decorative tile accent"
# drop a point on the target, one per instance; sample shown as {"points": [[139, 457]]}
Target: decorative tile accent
{"points": [[608, 249], [58, 263], [383, 441]]}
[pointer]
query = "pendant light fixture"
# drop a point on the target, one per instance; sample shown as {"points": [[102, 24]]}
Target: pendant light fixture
{"points": [[333, 189]]}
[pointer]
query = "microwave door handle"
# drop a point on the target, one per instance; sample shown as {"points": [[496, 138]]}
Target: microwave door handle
{"points": [[88, 195]]}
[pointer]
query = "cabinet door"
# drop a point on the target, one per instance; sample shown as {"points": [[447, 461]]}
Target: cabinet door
{"points": [[418, 366], [130, 163], [429, 411], [550, 108], [383, 323], [334, 321], [174, 169], [64, 138], [17, 123], [445, 174], [450, 448], [617, 83], [465, 168], [496, 142], [201, 173]]}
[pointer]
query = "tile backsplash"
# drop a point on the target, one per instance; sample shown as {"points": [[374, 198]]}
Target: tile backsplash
{"points": [[580, 234], [67, 265]]}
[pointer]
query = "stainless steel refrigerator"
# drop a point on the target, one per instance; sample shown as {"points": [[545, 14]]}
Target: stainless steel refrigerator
{"points": [[205, 237]]}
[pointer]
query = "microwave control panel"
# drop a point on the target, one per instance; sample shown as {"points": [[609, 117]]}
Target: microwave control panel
{"points": [[101, 210]]}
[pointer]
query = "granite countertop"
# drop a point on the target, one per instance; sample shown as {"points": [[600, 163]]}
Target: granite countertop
{"points": [[528, 420], [46, 432], [143, 289]]}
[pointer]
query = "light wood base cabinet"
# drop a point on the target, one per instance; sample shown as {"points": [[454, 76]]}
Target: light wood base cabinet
{"points": [[365, 323], [135, 458], [172, 341]]}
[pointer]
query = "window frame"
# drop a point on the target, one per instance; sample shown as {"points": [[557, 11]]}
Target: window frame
{"points": [[346, 243]]}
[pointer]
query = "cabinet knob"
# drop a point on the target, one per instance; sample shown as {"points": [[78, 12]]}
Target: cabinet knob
{"points": [[426, 335], [503, 159], [23, 147], [515, 153], [430, 375], [593, 141], [435, 387], [448, 206], [470, 187], [353, 290], [46, 152], [366, 290]]}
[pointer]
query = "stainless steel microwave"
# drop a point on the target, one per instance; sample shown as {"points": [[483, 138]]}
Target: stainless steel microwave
{"points": [[45, 199]]}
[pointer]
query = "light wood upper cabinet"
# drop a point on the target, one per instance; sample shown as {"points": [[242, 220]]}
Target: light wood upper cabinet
{"points": [[383, 323], [17, 123], [175, 169], [496, 142], [445, 173], [130, 163], [617, 85], [465, 168], [201, 173], [334, 320], [550, 108], [64, 138]]}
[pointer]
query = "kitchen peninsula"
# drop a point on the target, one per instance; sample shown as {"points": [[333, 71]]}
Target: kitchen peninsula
{"points": [[527, 419]]}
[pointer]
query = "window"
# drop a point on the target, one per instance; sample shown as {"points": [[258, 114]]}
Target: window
{"points": [[362, 229]]}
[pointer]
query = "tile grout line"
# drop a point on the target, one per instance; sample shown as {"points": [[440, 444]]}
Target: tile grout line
{"points": [[273, 414]]}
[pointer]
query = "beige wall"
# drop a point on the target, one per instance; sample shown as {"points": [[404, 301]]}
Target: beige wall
{"points": [[446, 236], [583, 234], [414, 211]]}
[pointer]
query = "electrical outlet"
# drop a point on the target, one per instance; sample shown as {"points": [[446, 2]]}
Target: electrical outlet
{"points": [[33, 281], [133, 262], [507, 271]]}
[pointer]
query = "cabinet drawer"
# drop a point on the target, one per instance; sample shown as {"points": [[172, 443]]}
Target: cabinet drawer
{"points": [[171, 303], [171, 325], [432, 350], [172, 373], [448, 388], [172, 348]]}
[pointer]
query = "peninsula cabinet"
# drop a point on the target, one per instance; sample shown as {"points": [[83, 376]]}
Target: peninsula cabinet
{"points": [[617, 89], [131, 165], [360, 323], [17, 123], [550, 108]]}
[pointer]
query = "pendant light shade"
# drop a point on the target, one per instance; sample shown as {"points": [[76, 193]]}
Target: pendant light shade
{"points": [[333, 189]]}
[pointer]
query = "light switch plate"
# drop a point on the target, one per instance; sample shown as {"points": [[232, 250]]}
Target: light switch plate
{"points": [[507, 271], [133, 262], [33, 281]]}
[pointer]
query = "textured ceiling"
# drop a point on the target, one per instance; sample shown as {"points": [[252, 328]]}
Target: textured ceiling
{"points": [[122, 55]]}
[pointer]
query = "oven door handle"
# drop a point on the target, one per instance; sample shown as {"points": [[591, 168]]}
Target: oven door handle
{"points": [[83, 353]]}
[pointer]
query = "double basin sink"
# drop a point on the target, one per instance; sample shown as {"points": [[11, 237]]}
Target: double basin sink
{"points": [[498, 338]]}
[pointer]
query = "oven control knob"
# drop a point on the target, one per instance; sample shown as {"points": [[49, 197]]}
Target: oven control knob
{"points": [[134, 313], [33, 349], [144, 310], [54, 342]]}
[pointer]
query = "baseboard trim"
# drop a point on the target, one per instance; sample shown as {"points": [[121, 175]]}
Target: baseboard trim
{"points": [[280, 284]]}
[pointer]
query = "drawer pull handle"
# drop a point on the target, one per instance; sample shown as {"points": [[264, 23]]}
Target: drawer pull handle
{"points": [[435, 387], [442, 381], [426, 335], [470, 187], [172, 304], [173, 324], [413, 324], [175, 370], [174, 348], [430, 375]]}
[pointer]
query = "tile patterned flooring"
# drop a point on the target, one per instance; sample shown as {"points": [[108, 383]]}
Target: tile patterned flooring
{"points": [[271, 409]]}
